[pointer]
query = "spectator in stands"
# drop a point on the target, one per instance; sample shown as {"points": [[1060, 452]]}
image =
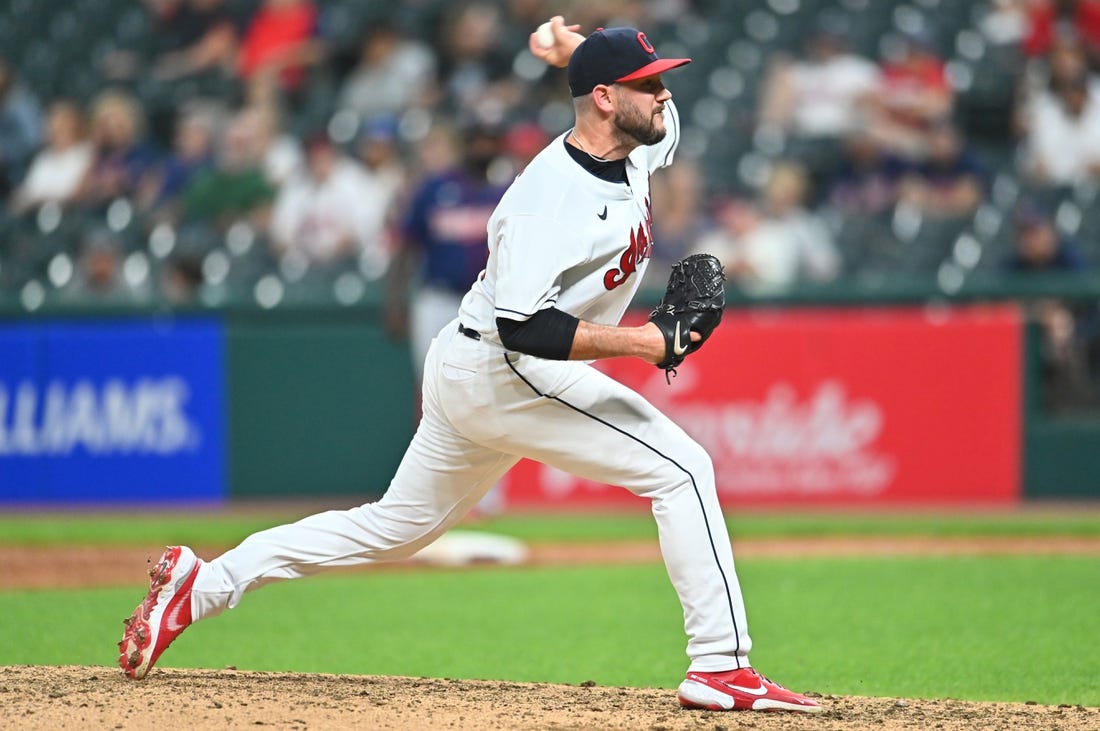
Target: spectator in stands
{"points": [[196, 37], [59, 167], [1062, 143], [236, 186], [866, 180], [98, 274], [949, 182], [1039, 245], [437, 152], [331, 212], [913, 96], [779, 244], [187, 39], [733, 222], [1066, 328], [122, 154], [678, 216], [393, 74], [279, 46], [181, 278], [475, 69], [444, 242], [820, 96], [1050, 20], [522, 141], [1065, 63], [192, 155], [280, 152], [377, 150], [20, 127]]}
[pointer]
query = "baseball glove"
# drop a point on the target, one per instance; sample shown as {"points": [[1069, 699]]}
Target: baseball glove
{"points": [[693, 301]]}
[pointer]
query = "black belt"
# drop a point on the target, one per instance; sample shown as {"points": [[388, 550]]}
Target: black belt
{"points": [[471, 334]]}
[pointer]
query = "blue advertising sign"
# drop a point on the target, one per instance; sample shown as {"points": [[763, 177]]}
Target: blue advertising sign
{"points": [[112, 411]]}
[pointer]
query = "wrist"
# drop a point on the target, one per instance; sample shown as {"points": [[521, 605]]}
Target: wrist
{"points": [[651, 343]]}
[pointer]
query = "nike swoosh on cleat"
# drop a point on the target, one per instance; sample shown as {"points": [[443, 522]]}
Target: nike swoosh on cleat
{"points": [[760, 690], [172, 621], [602, 216]]}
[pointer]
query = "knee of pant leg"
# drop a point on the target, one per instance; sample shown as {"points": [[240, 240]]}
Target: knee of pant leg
{"points": [[686, 467], [699, 460], [698, 464]]}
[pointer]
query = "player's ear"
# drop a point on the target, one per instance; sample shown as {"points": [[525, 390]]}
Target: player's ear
{"points": [[601, 97]]}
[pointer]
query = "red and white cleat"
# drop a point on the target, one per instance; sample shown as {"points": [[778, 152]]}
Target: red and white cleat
{"points": [[162, 615], [740, 690]]}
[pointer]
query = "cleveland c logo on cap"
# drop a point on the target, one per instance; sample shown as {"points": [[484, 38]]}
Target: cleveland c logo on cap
{"points": [[610, 56]]}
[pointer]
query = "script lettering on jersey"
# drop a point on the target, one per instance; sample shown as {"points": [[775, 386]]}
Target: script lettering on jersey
{"points": [[641, 244]]}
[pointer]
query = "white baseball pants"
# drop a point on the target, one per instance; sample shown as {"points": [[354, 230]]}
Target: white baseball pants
{"points": [[484, 409]]}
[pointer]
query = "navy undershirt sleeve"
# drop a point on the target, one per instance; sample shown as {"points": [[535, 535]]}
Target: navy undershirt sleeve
{"points": [[546, 334]]}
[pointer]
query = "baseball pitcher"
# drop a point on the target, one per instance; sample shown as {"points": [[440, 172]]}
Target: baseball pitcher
{"points": [[510, 378]]}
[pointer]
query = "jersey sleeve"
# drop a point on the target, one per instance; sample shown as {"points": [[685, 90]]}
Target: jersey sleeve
{"points": [[660, 155], [532, 253]]}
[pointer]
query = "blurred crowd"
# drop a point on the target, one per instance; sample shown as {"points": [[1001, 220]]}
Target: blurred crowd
{"points": [[273, 149]]}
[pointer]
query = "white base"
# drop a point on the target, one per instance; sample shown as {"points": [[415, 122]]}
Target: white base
{"points": [[463, 548]]}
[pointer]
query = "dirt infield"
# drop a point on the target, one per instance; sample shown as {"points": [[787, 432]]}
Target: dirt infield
{"points": [[100, 698]]}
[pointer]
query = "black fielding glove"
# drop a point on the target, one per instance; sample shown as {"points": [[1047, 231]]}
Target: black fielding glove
{"points": [[694, 301]]}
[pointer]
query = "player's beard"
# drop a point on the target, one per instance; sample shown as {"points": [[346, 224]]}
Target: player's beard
{"points": [[632, 121]]}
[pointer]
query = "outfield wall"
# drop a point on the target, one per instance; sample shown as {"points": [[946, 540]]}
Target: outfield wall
{"points": [[200, 408], [897, 406], [894, 405]]}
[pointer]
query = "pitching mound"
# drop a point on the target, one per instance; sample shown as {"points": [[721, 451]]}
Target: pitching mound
{"points": [[99, 697]]}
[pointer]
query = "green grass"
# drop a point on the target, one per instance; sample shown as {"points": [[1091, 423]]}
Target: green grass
{"points": [[215, 527], [989, 628], [786, 524]]}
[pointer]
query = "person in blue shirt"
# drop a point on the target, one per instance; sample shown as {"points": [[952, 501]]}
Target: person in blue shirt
{"points": [[123, 154], [162, 188], [1040, 247], [443, 241], [950, 181], [444, 248]]}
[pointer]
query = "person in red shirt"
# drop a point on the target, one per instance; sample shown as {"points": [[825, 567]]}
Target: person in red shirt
{"points": [[914, 96], [1046, 17], [279, 45]]}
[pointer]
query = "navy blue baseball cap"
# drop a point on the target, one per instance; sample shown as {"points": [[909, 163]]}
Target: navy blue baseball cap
{"points": [[615, 54]]}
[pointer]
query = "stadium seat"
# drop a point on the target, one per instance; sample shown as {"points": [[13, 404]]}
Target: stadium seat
{"points": [[132, 30], [867, 245], [931, 245], [1088, 235]]}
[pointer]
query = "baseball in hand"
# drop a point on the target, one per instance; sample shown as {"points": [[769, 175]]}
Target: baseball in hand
{"points": [[544, 35]]}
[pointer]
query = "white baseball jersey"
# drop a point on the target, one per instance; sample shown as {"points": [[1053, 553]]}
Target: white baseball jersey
{"points": [[560, 238]]}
